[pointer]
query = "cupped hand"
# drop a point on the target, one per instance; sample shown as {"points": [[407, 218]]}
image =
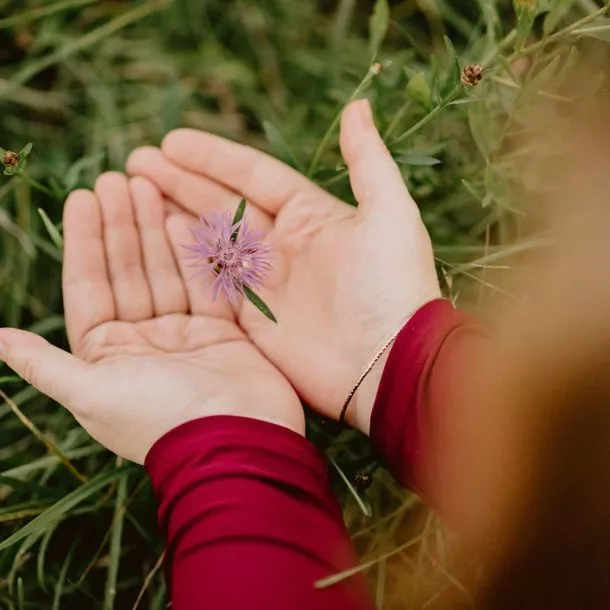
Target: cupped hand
{"points": [[344, 278], [151, 350]]}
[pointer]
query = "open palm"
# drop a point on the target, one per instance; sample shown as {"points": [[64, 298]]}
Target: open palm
{"points": [[151, 350], [344, 278]]}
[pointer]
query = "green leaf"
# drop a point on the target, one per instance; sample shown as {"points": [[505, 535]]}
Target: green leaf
{"points": [[76, 169], [378, 25], [531, 89], [558, 9], [61, 580], [114, 555], [456, 71], [364, 506], [419, 90], [10, 170], [259, 303], [239, 214], [54, 234], [10, 379], [25, 152], [411, 158], [280, 146], [60, 509]]}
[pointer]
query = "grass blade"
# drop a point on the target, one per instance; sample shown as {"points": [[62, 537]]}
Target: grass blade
{"points": [[52, 447], [54, 234], [115, 543], [364, 507], [64, 506]]}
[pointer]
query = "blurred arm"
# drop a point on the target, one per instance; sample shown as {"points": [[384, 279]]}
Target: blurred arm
{"points": [[415, 409], [250, 519]]}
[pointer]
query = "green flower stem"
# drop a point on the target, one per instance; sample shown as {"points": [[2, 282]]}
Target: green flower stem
{"points": [[453, 95], [329, 132], [40, 187], [396, 119]]}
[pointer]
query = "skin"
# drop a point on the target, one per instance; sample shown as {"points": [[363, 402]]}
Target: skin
{"points": [[147, 346], [345, 278], [150, 346]]}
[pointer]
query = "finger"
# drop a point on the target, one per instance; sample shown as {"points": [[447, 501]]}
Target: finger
{"points": [[198, 285], [132, 293], [54, 372], [88, 298], [194, 193], [375, 178], [265, 181], [166, 285]]}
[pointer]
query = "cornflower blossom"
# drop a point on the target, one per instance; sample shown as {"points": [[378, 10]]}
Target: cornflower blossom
{"points": [[232, 252]]}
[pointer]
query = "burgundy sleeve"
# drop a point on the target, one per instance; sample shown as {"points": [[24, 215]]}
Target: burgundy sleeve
{"points": [[250, 519], [417, 394]]}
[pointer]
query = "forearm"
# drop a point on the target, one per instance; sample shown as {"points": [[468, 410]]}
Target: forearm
{"points": [[250, 519], [418, 402]]}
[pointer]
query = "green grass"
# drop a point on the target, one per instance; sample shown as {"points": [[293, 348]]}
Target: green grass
{"points": [[86, 81]]}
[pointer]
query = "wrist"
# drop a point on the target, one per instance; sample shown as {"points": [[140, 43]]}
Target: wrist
{"points": [[360, 410]]}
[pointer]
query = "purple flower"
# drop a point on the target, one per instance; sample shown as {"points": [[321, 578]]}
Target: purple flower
{"points": [[233, 253]]}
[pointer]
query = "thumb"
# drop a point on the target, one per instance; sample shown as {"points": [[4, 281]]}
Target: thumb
{"points": [[376, 180], [51, 370]]}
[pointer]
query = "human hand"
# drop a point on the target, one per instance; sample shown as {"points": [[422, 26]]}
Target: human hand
{"points": [[151, 351], [344, 278]]}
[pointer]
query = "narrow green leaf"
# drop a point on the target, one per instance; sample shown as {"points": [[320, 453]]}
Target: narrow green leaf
{"points": [[280, 147], [63, 506], [416, 159], [239, 214], [41, 557], [20, 594], [10, 379], [456, 71], [557, 10], [364, 506], [531, 89], [54, 234], [259, 303], [378, 25], [115, 545], [25, 151], [75, 171], [61, 580]]}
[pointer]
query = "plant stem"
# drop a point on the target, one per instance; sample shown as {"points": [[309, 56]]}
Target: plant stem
{"points": [[453, 95], [401, 112], [567, 30], [40, 187], [329, 132], [41, 437]]}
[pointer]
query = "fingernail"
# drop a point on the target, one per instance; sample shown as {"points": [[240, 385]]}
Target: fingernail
{"points": [[364, 112]]}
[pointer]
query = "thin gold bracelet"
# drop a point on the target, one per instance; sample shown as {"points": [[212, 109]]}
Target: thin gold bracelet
{"points": [[370, 366]]}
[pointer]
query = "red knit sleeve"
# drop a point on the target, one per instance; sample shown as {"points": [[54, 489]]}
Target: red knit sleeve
{"points": [[413, 409], [250, 519]]}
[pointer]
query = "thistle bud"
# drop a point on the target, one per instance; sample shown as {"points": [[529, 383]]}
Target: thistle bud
{"points": [[526, 11], [10, 159], [472, 75]]}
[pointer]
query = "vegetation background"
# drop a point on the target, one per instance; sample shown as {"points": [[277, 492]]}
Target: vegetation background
{"points": [[86, 81]]}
